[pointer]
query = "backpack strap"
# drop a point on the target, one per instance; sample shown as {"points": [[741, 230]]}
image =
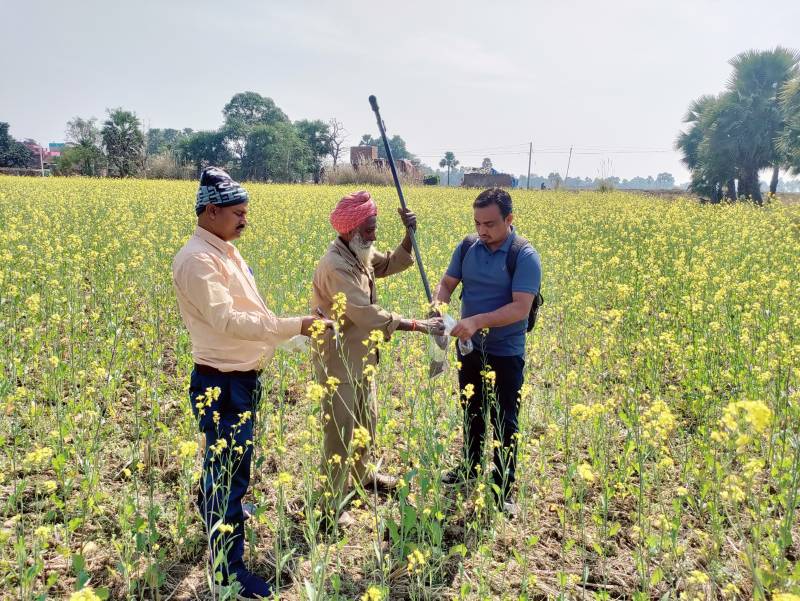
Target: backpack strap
{"points": [[465, 245], [517, 244]]}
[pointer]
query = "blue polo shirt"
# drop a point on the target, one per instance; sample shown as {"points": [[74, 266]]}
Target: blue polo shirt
{"points": [[487, 286]]}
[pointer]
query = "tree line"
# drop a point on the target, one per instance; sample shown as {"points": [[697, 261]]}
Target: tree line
{"points": [[754, 124], [256, 142]]}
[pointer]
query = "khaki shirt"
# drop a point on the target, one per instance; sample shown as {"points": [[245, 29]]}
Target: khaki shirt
{"points": [[340, 271], [230, 326]]}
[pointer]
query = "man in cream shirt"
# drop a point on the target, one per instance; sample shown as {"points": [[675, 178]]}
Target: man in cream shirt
{"points": [[233, 336]]}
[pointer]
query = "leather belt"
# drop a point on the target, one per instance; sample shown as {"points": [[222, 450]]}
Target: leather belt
{"points": [[207, 370]]}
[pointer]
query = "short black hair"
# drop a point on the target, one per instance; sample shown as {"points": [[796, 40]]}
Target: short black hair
{"points": [[496, 196]]}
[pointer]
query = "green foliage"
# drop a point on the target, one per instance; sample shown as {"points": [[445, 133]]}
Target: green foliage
{"points": [[431, 180], [12, 153], [743, 130], [205, 148], [396, 144], [450, 161], [275, 153], [124, 142], [789, 141], [81, 160], [317, 136], [160, 141], [83, 155], [248, 109]]}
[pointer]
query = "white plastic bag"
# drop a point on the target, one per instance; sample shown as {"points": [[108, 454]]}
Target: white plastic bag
{"points": [[295, 344]]}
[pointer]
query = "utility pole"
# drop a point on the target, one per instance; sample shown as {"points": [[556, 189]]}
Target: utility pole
{"points": [[41, 160], [530, 156], [568, 163]]}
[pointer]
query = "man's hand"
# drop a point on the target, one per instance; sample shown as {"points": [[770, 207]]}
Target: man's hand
{"points": [[308, 323], [409, 218], [434, 326], [466, 328]]}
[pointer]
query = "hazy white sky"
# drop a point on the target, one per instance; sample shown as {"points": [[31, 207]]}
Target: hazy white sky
{"points": [[612, 78]]}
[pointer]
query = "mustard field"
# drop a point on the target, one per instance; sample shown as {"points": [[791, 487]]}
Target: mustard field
{"points": [[660, 437]]}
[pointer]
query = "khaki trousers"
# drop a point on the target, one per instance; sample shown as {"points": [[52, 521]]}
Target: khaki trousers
{"points": [[349, 408]]}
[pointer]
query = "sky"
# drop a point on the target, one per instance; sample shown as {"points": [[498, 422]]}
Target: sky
{"points": [[610, 79]]}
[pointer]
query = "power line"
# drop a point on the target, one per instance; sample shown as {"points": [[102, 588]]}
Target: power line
{"points": [[559, 151]]}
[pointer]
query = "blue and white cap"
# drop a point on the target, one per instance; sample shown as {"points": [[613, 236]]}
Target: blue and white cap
{"points": [[217, 188]]}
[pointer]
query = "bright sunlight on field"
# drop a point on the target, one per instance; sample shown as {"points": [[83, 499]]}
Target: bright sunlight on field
{"points": [[660, 441]]}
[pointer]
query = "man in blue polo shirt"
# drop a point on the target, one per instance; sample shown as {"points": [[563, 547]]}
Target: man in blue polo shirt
{"points": [[500, 275]]}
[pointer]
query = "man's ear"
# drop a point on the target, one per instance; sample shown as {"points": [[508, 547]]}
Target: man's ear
{"points": [[510, 219]]}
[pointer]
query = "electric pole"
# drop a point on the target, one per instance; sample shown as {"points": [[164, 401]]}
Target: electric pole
{"points": [[568, 162], [530, 155]]}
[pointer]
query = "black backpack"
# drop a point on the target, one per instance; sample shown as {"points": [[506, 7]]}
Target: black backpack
{"points": [[511, 264]]}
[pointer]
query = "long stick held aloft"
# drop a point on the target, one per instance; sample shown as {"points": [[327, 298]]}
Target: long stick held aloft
{"points": [[373, 102]]}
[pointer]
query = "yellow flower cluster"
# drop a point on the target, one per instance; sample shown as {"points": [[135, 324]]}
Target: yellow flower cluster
{"points": [[374, 593], [658, 423], [85, 594], [187, 448], [741, 420], [361, 438], [416, 561]]}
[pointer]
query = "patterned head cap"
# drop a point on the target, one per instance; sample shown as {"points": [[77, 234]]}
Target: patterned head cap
{"points": [[217, 188]]}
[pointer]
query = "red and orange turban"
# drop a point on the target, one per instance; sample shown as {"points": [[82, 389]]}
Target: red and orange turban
{"points": [[353, 210]]}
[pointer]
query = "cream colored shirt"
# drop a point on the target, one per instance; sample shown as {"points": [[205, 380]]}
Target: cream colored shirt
{"points": [[230, 326]]}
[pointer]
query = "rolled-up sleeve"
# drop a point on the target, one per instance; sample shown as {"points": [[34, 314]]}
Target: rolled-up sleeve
{"points": [[202, 284], [365, 315], [386, 264]]}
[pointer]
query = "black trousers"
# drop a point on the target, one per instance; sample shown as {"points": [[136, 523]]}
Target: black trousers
{"points": [[226, 471], [494, 401]]}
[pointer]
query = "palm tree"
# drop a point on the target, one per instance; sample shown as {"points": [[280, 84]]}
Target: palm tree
{"points": [[123, 141], [738, 133], [789, 140], [757, 80], [450, 162], [710, 161]]}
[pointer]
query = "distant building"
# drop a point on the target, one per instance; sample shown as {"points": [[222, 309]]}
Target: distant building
{"points": [[56, 148], [42, 155], [368, 155], [363, 155]]}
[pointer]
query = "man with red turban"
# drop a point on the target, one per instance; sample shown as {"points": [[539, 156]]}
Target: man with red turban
{"points": [[344, 361]]}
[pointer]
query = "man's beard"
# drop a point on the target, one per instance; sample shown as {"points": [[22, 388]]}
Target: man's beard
{"points": [[363, 250]]}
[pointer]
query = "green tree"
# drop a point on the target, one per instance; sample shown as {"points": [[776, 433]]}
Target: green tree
{"points": [[83, 154], [396, 144], [276, 153], [742, 131], [204, 148], [248, 109], [13, 153], [161, 141], [242, 113], [554, 180], [665, 181], [711, 161], [450, 162], [317, 136], [123, 142], [789, 140], [758, 119]]}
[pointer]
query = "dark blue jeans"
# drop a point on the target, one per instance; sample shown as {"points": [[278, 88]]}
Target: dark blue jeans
{"points": [[226, 465], [498, 402]]}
